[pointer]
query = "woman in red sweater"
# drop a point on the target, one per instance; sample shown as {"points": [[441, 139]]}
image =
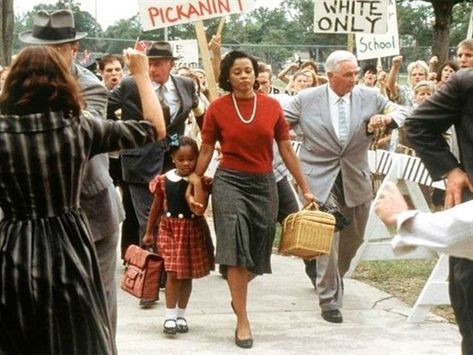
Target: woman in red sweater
{"points": [[244, 195]]}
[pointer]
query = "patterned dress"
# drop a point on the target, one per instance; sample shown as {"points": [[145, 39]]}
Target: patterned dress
{"points": [[51, 295], [184, 239]]}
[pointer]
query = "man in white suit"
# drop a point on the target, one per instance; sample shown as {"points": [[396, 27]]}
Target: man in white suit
{"points": [[336, 119]]}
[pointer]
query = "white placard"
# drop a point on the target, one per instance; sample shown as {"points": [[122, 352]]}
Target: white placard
{"points": [[188, 52], [164, 13], [376, 46], [350, 16]]}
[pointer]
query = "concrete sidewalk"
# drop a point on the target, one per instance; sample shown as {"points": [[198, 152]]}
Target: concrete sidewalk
{"points": [[285, 318]]}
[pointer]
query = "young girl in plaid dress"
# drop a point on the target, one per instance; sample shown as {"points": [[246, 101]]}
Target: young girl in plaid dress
{"points": [[184, 237]]}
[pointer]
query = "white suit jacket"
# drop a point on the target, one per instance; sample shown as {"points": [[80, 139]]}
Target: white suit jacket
{"points": [[323, 156]]}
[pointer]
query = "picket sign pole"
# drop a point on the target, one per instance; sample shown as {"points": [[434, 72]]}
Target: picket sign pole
{"points": [[220, 26], [206, 61], [350, 42]]}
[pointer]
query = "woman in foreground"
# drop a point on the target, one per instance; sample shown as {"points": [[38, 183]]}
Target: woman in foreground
{"points": [[51, 295]]}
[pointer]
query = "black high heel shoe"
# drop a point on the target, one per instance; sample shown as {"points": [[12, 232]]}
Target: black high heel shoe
{"points": [[243, 343]]}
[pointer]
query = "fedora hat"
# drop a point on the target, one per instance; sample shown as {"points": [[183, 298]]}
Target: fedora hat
{"points": [[160, 49], [52, 28]]}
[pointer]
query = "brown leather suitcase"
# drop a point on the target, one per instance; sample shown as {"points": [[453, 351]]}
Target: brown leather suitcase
{"points": [[142, 273]]}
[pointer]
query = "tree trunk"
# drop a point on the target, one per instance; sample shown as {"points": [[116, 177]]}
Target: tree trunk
{"points": [[440, 32], [6, 31]]}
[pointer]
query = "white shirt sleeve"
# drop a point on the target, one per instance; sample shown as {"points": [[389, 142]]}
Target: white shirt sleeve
{"points": [[449, 232]]}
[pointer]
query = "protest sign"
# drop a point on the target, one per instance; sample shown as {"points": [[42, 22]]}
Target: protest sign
{"points": [[158, 14], [375, 46], [350, 16], [187, 51]]}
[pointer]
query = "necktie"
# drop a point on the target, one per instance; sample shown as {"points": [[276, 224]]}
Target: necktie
{"points": [[342, 121], [164, 104]]}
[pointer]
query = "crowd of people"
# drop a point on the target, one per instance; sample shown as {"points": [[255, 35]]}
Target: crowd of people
{"points": [[72, 138]]}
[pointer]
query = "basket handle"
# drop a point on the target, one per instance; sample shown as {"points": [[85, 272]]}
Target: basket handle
{"points": [[311, 206]]}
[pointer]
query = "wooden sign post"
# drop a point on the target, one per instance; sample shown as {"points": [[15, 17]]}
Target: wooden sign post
{"points": [[206, 61]]}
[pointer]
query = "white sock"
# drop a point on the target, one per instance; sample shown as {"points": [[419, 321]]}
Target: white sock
{"points": [[171, 313], [181, 312], [181, 316]]}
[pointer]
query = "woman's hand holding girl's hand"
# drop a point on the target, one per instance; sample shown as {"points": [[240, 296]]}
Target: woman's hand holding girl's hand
{"points": [[193, 178]]}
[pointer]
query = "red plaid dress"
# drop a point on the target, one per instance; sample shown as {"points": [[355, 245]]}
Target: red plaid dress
{"points": [[184, 243]]}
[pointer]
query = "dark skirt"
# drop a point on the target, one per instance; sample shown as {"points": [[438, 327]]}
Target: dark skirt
{"points": [[51, 295], [245, 209]]}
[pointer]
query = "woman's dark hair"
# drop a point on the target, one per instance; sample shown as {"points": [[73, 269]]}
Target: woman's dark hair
{"points": [[40, 81], [226, 64], [183, 141], [452, 65], [369, 68]]}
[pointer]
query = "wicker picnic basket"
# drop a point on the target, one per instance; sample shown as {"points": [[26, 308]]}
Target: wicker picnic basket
{"points": [[307, 233]]}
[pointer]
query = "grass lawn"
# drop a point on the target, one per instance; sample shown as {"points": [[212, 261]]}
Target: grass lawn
{"points": [[404, 279]]}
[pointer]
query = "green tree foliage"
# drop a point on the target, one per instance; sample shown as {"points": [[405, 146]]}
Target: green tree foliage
{"points": [[459, 26], [443, 18], [265, 32]]}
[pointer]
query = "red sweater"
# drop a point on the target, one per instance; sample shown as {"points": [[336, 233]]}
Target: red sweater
{"points": [[245, 147]]}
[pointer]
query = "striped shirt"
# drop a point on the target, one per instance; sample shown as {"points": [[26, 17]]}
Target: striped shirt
{"points": [[42, 159]]}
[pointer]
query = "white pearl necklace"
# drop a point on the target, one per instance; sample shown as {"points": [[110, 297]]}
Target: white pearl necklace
{"points": [[242, 119]]}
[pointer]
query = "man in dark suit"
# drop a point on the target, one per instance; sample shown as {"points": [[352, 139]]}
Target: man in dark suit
{"points": [[451, 105], [178, 98]]}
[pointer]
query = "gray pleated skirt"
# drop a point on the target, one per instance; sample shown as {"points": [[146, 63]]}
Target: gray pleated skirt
{"points": [[245, 210]]}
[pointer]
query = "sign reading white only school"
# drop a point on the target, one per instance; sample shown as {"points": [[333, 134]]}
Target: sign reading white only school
{"points": [[164, 13], [377, 46], [350, 16]]}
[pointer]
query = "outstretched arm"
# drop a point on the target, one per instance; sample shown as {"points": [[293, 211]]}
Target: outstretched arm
{"points": [[283, 74], [138, 64], [391, 82], [449, 231]]}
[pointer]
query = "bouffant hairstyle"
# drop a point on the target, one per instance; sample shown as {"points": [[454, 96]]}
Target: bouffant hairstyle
{"points": [[227, 62], [39, 82]]}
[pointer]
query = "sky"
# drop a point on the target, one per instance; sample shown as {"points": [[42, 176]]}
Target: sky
{"points": [[108, 12]]}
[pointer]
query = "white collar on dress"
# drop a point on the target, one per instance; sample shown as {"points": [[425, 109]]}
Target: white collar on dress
{"points": [[172, 175]]}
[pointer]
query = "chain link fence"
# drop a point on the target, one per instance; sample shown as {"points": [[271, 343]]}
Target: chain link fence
{"points": [[278, 56]]}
